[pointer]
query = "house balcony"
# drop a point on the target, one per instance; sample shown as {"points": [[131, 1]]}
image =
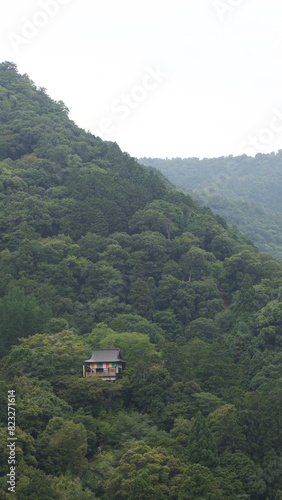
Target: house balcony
{"points": [[106, 375]]}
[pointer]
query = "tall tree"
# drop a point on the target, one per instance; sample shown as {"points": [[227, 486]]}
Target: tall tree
{"points": [[21, 316], [201, 444]]}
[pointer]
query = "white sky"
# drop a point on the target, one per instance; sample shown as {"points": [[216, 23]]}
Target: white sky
{"points": [[218, 89]]}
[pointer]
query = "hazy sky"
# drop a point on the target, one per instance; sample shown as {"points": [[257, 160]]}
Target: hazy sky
{"points": [[162, 78]]}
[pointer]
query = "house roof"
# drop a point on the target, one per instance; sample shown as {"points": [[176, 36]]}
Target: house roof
{"points": [[105, 356]]}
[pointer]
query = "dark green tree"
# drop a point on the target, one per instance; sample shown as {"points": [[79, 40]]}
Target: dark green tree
{"points": [[199, 483], [201, 444], [62, 447], [140, 298], [21, 316]]}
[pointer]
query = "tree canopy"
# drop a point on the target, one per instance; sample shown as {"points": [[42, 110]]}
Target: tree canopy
{"points": [[98, 251]]}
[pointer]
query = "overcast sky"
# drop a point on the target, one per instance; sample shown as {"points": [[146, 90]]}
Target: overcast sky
{"points": [[162, 78]]}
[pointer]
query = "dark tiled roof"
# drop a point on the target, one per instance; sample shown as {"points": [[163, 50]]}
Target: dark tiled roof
{"points": [[105, 356]]}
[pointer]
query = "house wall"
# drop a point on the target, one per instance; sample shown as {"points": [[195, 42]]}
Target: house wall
{"points": [[103, 369]]}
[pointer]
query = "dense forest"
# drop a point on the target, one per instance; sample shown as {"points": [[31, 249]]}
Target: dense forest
{"points": [[244, 190], [97, 251]]}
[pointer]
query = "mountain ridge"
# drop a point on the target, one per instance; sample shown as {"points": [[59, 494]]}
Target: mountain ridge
{"points": [[244, 190]]}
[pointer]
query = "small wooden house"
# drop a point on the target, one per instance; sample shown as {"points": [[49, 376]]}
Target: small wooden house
{"points": [[106, 364]]}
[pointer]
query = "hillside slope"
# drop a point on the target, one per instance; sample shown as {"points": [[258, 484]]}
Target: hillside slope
{"points": [[243, 190], [97, 251]]}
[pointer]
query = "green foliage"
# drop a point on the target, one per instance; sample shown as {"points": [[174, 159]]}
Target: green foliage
{"points": [[247, 476], [47, 355], [126, 426], [143, 471], [37, 485], [135, 323], [225, 425], [3, 397], [242, 189], [203, 329], [201, 444], [94, 397], [168, 321], [198, 482], [20, 316], [71, 488], [194, 263], [211, 366], [158, 216], [37, 404], [62, 447], [140, 298], [97, 251], [24, 452]]}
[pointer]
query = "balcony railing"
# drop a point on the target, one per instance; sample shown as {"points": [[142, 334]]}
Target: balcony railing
{"points": [[107, 373]]}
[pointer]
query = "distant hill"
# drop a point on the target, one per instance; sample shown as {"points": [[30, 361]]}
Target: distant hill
{"points": [[246, 191]]}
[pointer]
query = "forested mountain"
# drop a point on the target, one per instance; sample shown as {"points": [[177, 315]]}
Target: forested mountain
{"points": [[246, 191], [99, 252]]}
